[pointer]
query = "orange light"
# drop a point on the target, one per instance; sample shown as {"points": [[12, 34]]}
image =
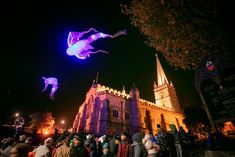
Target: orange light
{"points": [[46, 132]]}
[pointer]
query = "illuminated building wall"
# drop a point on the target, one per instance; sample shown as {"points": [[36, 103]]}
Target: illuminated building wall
{"points": [[107, 111]]}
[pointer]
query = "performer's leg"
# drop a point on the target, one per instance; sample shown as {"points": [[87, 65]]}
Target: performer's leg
{"points": [[94, 52], [53, 90]]}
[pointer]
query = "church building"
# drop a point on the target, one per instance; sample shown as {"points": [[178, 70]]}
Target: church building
{"points": [[108, 111]]}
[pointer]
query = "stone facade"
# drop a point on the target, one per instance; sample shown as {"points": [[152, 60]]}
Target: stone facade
{"points": [[108, 111]]}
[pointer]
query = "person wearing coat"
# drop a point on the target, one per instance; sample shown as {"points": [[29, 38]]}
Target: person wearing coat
{"points": [[124, 146], [64, 149], [44, 150], [78, 149], [138, 149]]}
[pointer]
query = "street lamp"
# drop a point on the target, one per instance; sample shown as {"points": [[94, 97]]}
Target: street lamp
{"points": [[17, 114], [62, 122]]}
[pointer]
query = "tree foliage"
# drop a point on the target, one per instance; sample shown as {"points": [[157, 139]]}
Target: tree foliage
{"points": [[184, 31], [41, 121]]}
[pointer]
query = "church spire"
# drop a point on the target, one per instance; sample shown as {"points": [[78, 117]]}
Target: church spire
{"points": [[161, 77], [123, 90], [97, 77]]}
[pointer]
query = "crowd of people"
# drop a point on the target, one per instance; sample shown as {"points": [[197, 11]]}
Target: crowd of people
{"points": [[173, 143]]}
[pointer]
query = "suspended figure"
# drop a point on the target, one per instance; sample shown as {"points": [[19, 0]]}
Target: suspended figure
{"points": [[81, 48], [53, 82]]}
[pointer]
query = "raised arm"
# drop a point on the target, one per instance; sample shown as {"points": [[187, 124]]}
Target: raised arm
{"points": [[85, 32]]}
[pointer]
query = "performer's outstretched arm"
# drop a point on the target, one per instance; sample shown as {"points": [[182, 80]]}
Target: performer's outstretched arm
{"points": [[121, 32], [85, 32], [99, 35]]}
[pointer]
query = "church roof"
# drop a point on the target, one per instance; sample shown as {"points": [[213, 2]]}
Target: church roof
{"points": [[102, 88]]}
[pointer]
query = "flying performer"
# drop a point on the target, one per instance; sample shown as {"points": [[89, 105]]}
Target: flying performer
{"points": [[81, 48], [53, 82]]}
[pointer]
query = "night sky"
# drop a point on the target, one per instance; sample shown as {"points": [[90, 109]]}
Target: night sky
{"points": [[35, 42]]}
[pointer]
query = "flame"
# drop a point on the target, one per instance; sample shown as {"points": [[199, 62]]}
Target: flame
{"points": [[45, 131], [48, 129]]}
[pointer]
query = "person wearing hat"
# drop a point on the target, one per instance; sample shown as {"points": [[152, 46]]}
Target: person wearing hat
{"points": [[45, 149], [106, 151], [78, 149]]}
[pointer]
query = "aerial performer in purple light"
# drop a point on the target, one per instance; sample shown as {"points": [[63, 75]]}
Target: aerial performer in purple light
{"points": [[51, 81], [81, 48]]}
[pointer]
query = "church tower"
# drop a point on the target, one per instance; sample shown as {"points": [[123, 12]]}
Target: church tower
{"points": [[164, 92]]}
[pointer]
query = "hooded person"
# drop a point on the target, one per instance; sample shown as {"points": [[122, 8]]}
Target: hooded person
{"points": [[138, 149], [78, 148]]}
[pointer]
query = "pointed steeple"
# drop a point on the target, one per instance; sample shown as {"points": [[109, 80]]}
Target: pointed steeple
{"points": [[161, 77], [97, 77], [123, 89], [154, 84]]}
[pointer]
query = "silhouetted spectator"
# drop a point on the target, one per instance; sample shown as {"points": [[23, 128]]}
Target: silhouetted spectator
{"points": [[78, 149]]}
